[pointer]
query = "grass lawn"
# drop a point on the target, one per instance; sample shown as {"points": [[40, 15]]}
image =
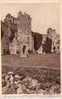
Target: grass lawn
{"points": [[50, 61]]}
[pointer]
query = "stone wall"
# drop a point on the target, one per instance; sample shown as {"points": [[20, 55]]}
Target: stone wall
{"points": [[24, 23], [55, 41]]}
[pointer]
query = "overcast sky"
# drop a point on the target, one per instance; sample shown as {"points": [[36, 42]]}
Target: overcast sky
{"points": [[43, 15]]}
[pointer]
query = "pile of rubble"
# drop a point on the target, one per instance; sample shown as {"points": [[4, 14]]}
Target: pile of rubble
{"points": [[20, 84]]}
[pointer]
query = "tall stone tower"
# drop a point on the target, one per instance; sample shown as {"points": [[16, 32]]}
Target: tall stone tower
{"points": [[24, 35]]}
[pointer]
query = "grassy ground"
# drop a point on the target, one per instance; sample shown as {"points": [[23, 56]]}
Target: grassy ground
{"points": [[50, 61]]}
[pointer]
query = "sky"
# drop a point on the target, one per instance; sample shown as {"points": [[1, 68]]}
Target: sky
{"points": [[44, 15]]}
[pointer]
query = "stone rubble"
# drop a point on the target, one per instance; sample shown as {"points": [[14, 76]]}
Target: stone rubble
{"points": [[13, 84]]}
